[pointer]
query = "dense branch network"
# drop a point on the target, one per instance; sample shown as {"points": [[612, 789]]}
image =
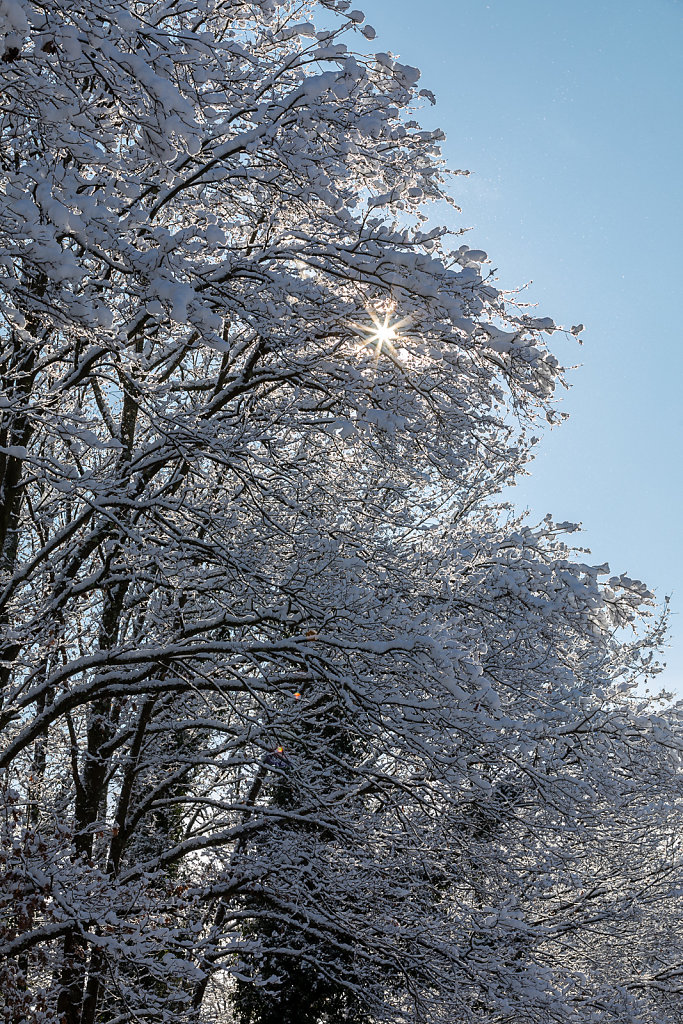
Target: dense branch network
{"points": [[294, 720]]}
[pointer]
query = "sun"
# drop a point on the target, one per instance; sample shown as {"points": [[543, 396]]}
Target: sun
{"points": [[382, 334]]}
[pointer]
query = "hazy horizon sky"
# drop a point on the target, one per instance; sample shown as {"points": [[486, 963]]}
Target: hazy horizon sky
{"points": [[569, 118]]}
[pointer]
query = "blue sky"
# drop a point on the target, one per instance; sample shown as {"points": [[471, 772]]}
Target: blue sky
{"points": [[570, 118]]}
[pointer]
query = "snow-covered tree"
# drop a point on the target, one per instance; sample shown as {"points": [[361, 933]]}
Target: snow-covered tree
{"points": [[284, 698]]}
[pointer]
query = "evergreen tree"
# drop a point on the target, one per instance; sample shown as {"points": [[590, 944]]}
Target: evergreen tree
{"points": [[291, 977]]}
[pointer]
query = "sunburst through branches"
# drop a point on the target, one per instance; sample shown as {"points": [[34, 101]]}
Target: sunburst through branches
{"points": [[382, 334]]}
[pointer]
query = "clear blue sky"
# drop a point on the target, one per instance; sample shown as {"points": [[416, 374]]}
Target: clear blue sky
{"points": [[570, 117]]}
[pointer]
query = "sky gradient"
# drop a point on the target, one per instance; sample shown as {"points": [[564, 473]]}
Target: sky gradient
{"points": [[569, 117]]}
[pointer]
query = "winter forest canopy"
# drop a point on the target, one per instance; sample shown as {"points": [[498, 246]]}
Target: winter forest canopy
{"points": [[297, 724]]}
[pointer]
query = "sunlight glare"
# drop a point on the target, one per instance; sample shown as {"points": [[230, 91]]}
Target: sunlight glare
{"points": [[382, 335]]}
